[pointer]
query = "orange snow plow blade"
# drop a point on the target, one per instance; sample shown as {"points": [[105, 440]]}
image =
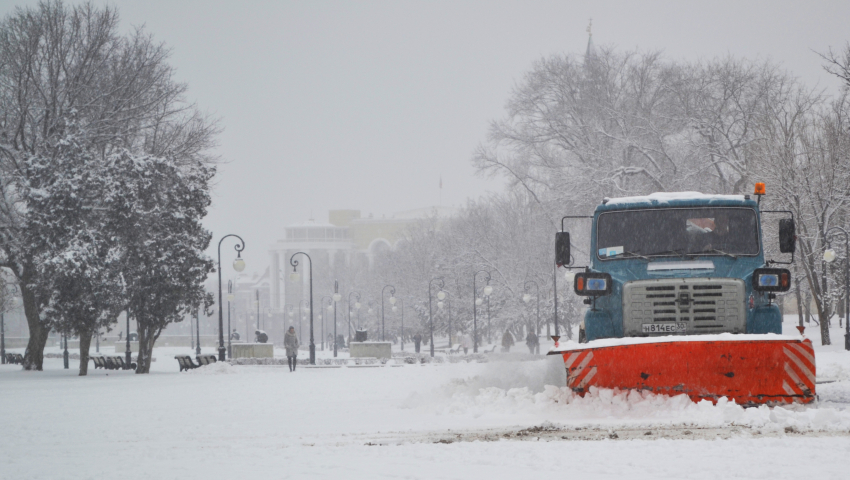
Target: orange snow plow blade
{"points": [[747, 371]]}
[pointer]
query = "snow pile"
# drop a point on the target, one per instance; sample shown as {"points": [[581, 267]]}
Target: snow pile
{"points": [[522, 389], [632, 407], [217, 368]]}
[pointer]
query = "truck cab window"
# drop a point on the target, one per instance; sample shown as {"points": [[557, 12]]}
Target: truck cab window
{"points": [[677, 232]]}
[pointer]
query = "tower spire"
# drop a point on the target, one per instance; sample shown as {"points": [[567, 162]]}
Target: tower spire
{"points": [[591, 50]]}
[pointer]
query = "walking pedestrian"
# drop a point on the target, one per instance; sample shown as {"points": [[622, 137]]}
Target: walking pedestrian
{"points": [[290, 342], [532, 342], [466, 343], [507, 341], [417, 341]]}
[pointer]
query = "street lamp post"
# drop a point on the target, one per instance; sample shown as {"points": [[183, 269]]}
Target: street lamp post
{"points": [[441, 302], [392, 302], [402, 321], [127, 354], [357, 306], [330, 307], [336, 297], [197, 330], [294, 264], [257, 304], [229, 334], [829, 256], [238, 265], [475, 303], [526, 298], [430, 312], [65, 354]]}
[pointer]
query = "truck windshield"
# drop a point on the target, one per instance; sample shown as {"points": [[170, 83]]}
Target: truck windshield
{"points": [[677, 232]]}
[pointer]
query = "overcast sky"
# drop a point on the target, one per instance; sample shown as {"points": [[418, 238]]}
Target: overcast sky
{"points": [[364, 105]]}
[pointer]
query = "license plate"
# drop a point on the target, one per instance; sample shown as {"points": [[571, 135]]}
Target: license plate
{"points": [[664, 327]]}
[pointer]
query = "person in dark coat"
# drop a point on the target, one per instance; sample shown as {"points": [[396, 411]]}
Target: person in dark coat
{"points": [[417, 341], [507, 341], [234, 335], [290, 342], [532, 342]]}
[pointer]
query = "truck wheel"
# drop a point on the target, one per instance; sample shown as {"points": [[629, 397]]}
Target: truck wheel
{"points": [[582, 338]]}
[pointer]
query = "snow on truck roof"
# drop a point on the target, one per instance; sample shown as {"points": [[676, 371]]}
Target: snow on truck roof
{"points": [[673, 199]]}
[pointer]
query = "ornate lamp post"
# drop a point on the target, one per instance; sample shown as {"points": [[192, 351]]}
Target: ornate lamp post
{"points": [[289, 312], [527, 298], [336, 297], [294, 264], [829, 256], [330, 307], [357, 306], [392, 302], [304, 308], [229, 334], [475, 303], [238, 265], [197, 331], [65, 354], [430, 312], [6, 294], [441, 302], [402, 320]]}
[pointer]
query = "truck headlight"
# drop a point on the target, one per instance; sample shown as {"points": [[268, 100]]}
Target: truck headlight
{"points": [[771, 280], [591, 284]]}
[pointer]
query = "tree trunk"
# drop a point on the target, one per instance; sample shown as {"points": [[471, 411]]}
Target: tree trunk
{"points": [[34, 355], [85, 344], [147, 338], [799, 301]]}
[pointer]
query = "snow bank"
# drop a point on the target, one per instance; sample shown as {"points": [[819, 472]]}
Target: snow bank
{"points": [[528, 389], [217, 368]]}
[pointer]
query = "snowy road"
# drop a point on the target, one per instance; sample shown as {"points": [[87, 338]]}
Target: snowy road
{"points": [[501, 418]]}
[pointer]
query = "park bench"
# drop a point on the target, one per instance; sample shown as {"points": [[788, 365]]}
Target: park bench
{"points": [[117, 362], [15, 358], [205, 360], [99, 361], [185, 362]]}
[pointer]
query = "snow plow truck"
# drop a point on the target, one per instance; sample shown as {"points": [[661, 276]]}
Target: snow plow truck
{"points": [[680, 300]]}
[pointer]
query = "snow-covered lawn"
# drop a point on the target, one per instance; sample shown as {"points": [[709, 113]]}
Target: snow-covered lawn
{"points": [[227, 421]]}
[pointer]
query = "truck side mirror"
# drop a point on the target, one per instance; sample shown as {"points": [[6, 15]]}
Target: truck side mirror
{"points": [[562, 248], [787, 235]]}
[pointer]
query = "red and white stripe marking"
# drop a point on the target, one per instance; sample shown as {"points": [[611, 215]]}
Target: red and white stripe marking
{"points": [[799, 369], [580, 375]]}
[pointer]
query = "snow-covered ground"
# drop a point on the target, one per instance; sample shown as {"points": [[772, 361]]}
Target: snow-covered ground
{"points": [[505, 419]]}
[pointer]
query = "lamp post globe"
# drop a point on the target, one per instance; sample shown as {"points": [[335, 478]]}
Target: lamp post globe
{"points": [[526, 298], [829, 256], [479, 301], [488, 290]]}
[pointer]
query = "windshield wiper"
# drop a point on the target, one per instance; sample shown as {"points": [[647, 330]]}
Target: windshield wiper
{"points": [[714, 250], [633, 254], [678, 252]]}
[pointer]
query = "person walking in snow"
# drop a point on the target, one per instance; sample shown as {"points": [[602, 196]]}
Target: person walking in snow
{"points": [[290, 342], [507, 341], [532, 342], [466, 343], [417, 341]]}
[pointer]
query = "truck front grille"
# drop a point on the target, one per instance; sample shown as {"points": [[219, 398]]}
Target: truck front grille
{"points": [[701, 305]]}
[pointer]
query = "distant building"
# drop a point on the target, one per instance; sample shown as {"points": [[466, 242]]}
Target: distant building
{"points": [[348, 241]]}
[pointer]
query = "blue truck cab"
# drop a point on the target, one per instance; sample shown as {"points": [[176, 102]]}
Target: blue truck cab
{"points": [[678, 264]]}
